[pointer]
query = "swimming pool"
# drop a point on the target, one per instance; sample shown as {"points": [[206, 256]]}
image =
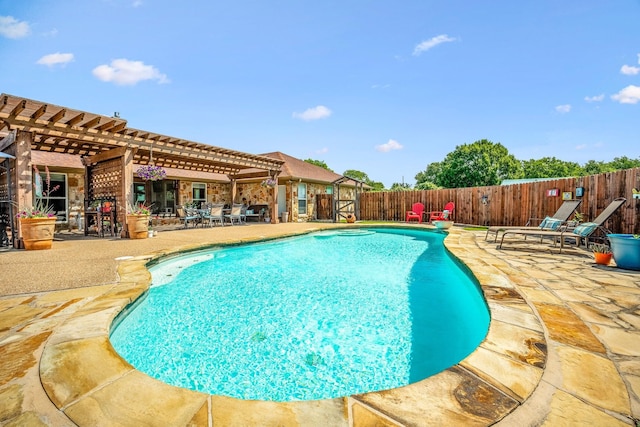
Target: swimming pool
{"points": [[323, 315]]}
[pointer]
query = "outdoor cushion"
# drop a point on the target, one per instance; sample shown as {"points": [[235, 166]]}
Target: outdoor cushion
{"points": [[249, 212], [585, 229], [551, 223]]}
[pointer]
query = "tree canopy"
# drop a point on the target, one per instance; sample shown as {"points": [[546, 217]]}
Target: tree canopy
{"points": [[480, 163], [361, 176], [320, 163], [550, 167]]}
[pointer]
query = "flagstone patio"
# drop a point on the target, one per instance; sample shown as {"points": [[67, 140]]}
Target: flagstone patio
{"points": [[563, 346]]}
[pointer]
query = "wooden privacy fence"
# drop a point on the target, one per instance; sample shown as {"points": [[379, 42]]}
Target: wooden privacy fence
{"points": [[515, 204]]}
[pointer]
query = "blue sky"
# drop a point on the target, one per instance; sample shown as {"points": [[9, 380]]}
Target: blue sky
{"points": [[384, 87]]}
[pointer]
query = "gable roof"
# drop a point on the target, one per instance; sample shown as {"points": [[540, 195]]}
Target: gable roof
{"points": [[294, 168]]}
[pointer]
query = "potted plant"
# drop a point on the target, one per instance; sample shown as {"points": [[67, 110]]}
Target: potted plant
{"points": [[138, 221], [38, 222], [601, 253], [626, 250]]}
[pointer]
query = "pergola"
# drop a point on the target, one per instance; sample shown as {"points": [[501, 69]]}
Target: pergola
{"points": [[109, 149]]}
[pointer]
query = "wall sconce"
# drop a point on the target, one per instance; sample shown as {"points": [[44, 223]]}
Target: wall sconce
{"points": [[579, 191]]}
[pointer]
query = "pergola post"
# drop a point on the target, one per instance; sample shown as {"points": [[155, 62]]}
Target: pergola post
{"points": [[127, 189], [24, 170], [234, 189], [24, 175]]}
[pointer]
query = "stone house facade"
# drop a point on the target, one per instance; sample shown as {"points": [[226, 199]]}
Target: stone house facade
{"points": [[299, 187]]}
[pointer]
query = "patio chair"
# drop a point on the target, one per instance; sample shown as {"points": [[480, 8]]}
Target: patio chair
{"points": [[215, 215], [578, 234], [236, 214], [415, 213], [189, 216], [444, 215], [563, 213]]}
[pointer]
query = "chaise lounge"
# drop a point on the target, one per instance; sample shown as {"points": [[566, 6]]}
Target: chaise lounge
{"points": [[582, 231], [562, 214]]}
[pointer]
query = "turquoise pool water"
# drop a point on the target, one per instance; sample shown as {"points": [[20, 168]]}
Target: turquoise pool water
{"points": [[323, 315]]}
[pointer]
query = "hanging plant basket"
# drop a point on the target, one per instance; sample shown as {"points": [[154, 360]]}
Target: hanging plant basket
{"points": [[269, 182], [151, 173]]}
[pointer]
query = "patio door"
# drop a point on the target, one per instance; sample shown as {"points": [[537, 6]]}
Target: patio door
{"points": [[282, 199]]}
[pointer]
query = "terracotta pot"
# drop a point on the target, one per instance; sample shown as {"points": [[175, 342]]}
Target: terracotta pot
{"points": [[138, 226], [351, 218], [603, 259], [37, 233]]}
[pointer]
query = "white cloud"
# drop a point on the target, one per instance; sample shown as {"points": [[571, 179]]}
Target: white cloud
{"points": [[563, 108], [630, 70], [52, 33], [596, 98], [628, 95], [11, 28], [432, 42], [55, 58], [385, 86], [315, 113], [323, 150], [125, 72], [581, 146], [137, 3], [389, 146]]}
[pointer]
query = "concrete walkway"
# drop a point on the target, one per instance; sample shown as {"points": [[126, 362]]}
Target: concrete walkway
{"points": [[563, 347]]}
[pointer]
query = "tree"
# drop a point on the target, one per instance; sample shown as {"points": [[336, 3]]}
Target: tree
{"points": [[361, 176], [320, 163], [624, 162], [550, 167], [356, 174], [478, 164], [426, 185], [397, 186], [426, 180], [593, 167]]}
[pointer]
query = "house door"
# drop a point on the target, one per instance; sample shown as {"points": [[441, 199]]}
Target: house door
{"points": [[282, 199]]}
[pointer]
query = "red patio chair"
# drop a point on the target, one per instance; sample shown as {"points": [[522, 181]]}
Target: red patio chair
{"points": [[415, 212], [444, 215]]}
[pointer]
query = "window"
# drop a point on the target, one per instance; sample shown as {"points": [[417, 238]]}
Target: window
{"points": [[329, 189], [58, 194], [302, 199], [199, 193], [163, 196]]}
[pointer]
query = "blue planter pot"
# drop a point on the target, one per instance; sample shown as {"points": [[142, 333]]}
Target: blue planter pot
{"points": [[626, 251]]}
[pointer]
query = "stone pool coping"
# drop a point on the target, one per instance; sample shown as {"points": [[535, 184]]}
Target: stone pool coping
{"points": [[510, 377]]}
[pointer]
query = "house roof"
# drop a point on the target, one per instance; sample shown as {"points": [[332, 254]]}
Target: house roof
{"points": [[525, 180], [294, 168]]}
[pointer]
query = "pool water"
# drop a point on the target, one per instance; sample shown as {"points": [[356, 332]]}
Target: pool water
{"points": [[324, 315]]}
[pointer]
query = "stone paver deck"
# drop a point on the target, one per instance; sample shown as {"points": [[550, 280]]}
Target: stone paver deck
{"points": [[563, 347]]}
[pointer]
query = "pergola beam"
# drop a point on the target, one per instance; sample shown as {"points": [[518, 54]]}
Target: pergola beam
{"points": [[39, 112], [75, 119], [91, 138]]}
